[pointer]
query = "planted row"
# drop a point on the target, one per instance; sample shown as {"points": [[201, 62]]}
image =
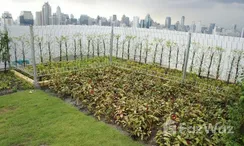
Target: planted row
{"points": [[141, 104]]}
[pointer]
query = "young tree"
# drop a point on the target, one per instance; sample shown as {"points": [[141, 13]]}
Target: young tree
{"points": [[212, 52], [75, 36], [4, 49], [156, 42], [169, 45], [194, 51], [39, 40], [219, 53], [14, 41], [162, 51], [60, 41], [65, 39], [239, 54], [117, 44], [89, 39]]}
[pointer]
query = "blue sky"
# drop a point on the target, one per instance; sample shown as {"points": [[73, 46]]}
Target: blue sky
{"points": [[223, 12]]}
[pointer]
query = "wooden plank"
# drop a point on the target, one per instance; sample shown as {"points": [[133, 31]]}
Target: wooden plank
{"points": [[27, 79]]}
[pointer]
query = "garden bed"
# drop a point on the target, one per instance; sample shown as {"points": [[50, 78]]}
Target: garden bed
{"points": [[142, 104], [45, 70], [10, 83]]}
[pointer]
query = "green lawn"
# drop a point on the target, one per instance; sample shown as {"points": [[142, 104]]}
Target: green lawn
{"points": [[40, 119]]}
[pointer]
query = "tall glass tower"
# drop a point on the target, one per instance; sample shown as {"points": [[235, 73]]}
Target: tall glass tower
{"points": [[168, 22], [148, 21]]}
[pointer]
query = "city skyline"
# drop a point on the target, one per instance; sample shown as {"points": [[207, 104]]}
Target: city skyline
{"points": [[93, 8]]}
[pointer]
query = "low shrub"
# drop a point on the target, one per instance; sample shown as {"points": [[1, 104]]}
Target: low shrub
{"points": [[236, 119], [142, 104], [10, 83]]}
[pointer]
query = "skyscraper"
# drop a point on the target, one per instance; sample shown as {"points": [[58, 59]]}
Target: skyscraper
{"points": [[98, 20], [26, 18], [54, 19], [84, 19], [46, 14], [38, 19], [7, 19], [193, 27], [211, 28], [114, 18], [182, 21], [135, 21], [125, 20], [142, 24], [59, 16], [168, 22], [148, 21], [103, 21], [177, 25], [73, 21], [65, 19], [199, 27], [72, 16]]}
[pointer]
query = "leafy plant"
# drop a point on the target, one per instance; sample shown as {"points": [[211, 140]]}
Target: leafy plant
{"points": [[236, 116], [141, 104]]}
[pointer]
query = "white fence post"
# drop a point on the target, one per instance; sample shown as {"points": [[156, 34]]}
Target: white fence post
{"points": [[33, 57], [186, 58]]}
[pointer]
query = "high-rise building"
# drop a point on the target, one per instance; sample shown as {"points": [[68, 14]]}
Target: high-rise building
{"points": [[177, 25], [91, 21], [182, 21], [114, 18], [98, 21], [168, 22], [242, 33], [59, 16], [46, 14], [198, 27], [7, 19], [211, 28], [125, 21], [72, 16], [26, 18], [53, 19], [103, 21], [135, 22], [38, 19], [148, 21], [193, 27], [142, 24], [73, 20], [84, 20], [217, 30], [65, 19], [204, 30]]}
